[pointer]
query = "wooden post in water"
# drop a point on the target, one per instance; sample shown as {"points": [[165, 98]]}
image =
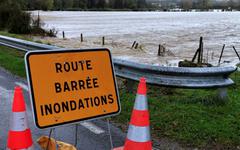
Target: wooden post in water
{"points": [[136, 46], [63, 35], [164, 50], [103, 40], [221, 55], [159, 49], [195, 55], [133, 44], [201, 60], [200, 50], [81, 37], [236, 52]]}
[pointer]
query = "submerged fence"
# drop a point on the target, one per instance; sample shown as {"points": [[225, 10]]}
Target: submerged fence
{"points": [[182, 77]]}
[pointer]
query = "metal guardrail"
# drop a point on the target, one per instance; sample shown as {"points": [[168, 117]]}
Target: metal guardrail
{"points": [[182, 77], [23, 45]]}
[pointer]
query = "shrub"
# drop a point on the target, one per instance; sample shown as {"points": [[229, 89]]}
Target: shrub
{"points": [[4, 15], [38, 30], [13, 19], [20, 23]]}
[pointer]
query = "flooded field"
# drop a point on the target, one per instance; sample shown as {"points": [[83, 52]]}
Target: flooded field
{"points": [[179, 32]]}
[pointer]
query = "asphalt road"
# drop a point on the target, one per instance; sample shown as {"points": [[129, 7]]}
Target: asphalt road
{"points": [[92, 135]]}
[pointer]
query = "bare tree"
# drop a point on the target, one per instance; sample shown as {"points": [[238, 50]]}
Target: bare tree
{"points": [[205, 4], [187, 4], [234, 3]]}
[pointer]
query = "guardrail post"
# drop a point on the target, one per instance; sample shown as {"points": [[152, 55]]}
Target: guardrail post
{"points": [[130, 85], [222, 94]]}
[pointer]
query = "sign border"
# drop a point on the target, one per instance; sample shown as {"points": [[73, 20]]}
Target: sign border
{"points": [[30, 85]]}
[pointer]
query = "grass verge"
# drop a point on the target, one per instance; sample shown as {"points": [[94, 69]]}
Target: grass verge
{"points": [[12, 60], [195, 118], [23, 37]]}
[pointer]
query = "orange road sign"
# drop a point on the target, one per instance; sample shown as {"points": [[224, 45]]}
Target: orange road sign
{"points": [[68, 86]]}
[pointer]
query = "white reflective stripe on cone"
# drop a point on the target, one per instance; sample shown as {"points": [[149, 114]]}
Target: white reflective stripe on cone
{"points": [[138, 134], [141, 102], [18, 121]]}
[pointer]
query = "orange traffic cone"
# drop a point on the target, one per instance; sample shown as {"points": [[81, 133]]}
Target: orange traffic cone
{"points": [[19, 135], [138, 136]]}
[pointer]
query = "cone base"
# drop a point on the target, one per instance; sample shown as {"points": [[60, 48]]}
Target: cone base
{"points": [[19, 139], [131, 145]]}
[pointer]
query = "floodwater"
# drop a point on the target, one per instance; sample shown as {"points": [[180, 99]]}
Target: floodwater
{"points": [[179, 32]]}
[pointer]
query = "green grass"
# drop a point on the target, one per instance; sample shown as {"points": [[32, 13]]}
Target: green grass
{"points": [[194, 118], [23, 37], [12, 60]]}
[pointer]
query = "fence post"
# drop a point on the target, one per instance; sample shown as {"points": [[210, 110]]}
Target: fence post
{"points": [[136, 46], [159, 49], [222, 94], [200, 50], [63, 34], [236, 52], [219, 61], [133, 44], [103, 40]]}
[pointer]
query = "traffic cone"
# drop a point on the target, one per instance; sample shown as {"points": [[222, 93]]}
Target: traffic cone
{"points": [[138, 136], [19, 135]]}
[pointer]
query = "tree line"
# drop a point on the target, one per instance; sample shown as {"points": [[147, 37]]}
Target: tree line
{"points": [[83, 4], [210, 4], [122, 4], [15, 19]]}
